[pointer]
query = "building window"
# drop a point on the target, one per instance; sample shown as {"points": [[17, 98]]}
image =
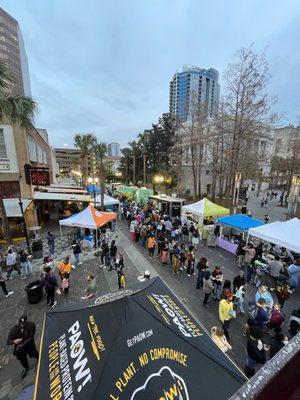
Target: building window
{"points": [[207, 172], [3, 153], [31, 149]]}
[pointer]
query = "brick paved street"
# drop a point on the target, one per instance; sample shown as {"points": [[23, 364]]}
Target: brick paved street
{"points": [[13, 307]]}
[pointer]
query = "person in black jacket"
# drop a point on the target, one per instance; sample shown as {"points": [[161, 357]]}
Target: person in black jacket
{"points": [[76, 252], [238, 281], [112, 254], [104, 254], [256, 351], [50, 282], [277, 343], [22, 337]]}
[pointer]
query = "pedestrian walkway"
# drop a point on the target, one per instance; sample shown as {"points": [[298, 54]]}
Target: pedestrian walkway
{"points": [[13, 307]]}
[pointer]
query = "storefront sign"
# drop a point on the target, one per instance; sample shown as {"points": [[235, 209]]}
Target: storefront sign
{"points": [[37, 176]]}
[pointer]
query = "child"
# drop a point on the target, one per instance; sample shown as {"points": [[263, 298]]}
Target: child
{"points": [[121, 280], [217, 335], [65, 284]]}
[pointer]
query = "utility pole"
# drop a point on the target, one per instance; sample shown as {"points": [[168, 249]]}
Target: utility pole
{"points": [[24, 225]]}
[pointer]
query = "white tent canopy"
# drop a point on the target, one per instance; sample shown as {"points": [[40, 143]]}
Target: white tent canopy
{"points": [[108, 201], [285, 234]]}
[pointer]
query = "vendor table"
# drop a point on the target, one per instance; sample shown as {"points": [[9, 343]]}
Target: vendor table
{"points": [[225, 244]]}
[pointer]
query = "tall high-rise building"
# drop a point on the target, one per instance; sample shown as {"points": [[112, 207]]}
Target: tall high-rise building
{"points": [[13, 54], [192, 86], [113, 150]]}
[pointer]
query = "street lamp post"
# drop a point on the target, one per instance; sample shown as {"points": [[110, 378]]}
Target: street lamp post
{"points": [[93, 182], [158, 179], [24, 225]]}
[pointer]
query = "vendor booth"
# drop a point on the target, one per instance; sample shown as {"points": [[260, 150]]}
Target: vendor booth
{"points": [[167, 204], [109, 202], [142, 195], [139, 343], [204, 213], [204, 209], [127, 191], [238, 222], [285, 234], [89, 218]]}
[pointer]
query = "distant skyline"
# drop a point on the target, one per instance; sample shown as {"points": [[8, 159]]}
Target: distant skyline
{"points": [[105, 67]]}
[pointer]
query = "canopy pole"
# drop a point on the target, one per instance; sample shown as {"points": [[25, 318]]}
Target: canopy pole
{"points": [[60, 231], [247, 239]]}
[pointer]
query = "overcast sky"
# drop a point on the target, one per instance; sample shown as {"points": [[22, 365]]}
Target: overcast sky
{"points": [[104, 66]]}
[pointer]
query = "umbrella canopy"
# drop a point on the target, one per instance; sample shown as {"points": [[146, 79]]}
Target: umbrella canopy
{"points": [[240, 221], [93, 189], [206, 208], [89, 218], [285, 234], [108, 201], [139, 343]]}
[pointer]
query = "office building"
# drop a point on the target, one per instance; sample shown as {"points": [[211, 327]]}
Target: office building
{"points": [[13, 54], [191, 87], [113, 150]]}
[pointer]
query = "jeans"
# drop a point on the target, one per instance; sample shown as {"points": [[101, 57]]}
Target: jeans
{"points": [[50, 292], [239, 305], [257, 280], [51, 248], [250, 367], [217, 291], [26, 269], [206, 297], [76, 256], [200, 276], [11, 268], [3, 287], [225, 326], [30, 350], [249, 272]]}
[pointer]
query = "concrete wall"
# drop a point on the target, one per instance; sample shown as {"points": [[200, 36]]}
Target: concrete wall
{"points": [[10, 164]]}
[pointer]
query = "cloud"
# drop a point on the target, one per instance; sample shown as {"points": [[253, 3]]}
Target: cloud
{"points": [[105, 67]]}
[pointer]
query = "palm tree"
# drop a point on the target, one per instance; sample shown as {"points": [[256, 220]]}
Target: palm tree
{"points": [[85, 143], [100, 151], [16, 110]]}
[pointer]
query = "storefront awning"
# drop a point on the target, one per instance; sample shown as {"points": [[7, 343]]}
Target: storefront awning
{"points": [[12, 207], [61, 196]]}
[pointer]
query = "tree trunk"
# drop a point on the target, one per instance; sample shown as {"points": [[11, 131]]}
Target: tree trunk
{"points": [[133, 166], [5, 225], [102, 187], [144, 168]]}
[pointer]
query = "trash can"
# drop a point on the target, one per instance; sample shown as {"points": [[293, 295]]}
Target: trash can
{"points": [[244, 210], [34, 292], [37, 249]]}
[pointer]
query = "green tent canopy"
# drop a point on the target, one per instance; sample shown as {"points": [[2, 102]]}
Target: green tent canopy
{"points": [[206, 208]]}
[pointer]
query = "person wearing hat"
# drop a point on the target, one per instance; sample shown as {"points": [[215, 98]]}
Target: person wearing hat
{"points": [[226, 311], [21, 336], [50, 282], [145, 277]]}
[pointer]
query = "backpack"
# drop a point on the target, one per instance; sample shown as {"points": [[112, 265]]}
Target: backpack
{"points": [[252, 314]]}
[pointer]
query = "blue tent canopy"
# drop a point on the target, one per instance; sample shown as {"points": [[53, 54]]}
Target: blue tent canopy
{"points": [[240, 221], [93, 189]]}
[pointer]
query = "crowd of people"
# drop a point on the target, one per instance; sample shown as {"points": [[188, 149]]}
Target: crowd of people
{"points": [[272, 270]]}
